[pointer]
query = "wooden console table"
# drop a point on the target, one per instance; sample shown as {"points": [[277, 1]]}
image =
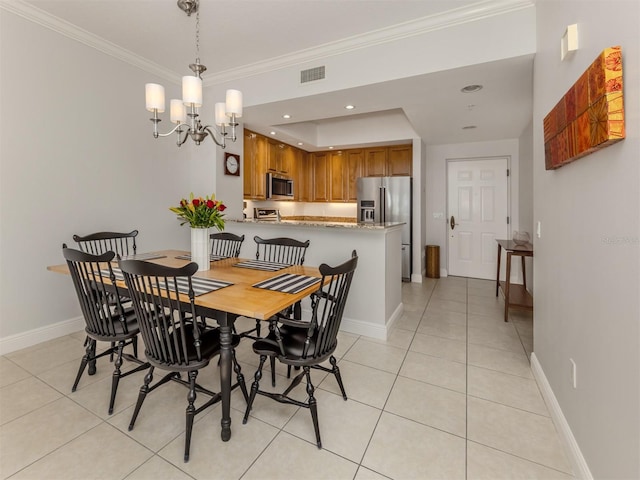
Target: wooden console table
{"points": [[514, 295]]}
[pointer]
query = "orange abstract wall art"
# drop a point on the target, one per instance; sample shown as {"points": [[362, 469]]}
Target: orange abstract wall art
{"points": [[589, 116]]}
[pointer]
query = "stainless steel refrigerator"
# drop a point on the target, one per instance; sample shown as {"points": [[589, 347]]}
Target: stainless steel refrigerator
{"points": [[388, 199]]}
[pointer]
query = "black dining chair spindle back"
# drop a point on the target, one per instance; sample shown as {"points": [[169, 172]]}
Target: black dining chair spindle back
{"points": [[175, 339], [106, 320], [281, 250], [308, 345], [122, 244], [226, 244]]}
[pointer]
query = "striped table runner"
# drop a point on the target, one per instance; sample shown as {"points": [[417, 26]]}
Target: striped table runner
{"points": [[213, 258], [143, 256], [200, 285], [288, 283], [262, 265]]}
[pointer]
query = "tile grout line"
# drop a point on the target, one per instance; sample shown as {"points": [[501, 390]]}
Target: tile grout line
{"points": [[466, 387]]}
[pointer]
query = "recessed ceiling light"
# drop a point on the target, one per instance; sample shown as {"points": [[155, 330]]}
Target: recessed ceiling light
{"points": [[471, 88], [272, 133], [286, 115], [330, 148], [349, 107], [469, 127], [300, 143]]}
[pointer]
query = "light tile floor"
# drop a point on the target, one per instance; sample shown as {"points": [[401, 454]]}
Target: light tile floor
{"points": [[450, 395]]}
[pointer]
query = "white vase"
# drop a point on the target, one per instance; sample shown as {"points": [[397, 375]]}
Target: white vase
{"points": [[200, 248]]}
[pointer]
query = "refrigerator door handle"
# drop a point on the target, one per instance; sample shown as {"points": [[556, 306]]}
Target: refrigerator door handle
{"points": [[383, 206]]}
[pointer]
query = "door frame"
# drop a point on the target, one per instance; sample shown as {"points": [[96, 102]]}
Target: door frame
{"points": [[471, 159]]}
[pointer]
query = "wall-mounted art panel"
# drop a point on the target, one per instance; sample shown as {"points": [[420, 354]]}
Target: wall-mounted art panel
{"points": [[590, 115]]}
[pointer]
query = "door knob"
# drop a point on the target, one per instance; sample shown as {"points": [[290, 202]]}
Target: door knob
{"points": [[452, 222]]}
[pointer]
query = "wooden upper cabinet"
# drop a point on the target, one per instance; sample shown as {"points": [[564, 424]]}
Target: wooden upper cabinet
{"points": [[279, 158], [320, 183], [338, 176], [329, 176], [400, 160], [254, 166], [303, 176], [375, 162], [354, 160], [247, 163]]}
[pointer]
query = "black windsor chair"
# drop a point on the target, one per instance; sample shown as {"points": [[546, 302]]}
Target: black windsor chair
{"points": [[226, 244], [308, 344], [175, 339], [278, 250], [105, 318], [101, 242], [96, 243]]}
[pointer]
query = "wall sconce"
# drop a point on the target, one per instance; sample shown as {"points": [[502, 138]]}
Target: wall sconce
{"points": [[569, 41]]}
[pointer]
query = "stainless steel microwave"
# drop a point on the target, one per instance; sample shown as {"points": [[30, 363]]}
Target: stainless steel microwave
{"points": [[279, 188]]}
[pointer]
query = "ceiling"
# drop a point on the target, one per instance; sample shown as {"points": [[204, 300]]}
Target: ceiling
{"points": [[158, 32]]}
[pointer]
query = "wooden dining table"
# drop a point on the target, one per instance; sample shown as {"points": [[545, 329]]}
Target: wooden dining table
{"points": [[227, 304]]}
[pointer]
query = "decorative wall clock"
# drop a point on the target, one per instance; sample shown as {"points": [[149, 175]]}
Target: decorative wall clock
{"points": [[231, 164]]}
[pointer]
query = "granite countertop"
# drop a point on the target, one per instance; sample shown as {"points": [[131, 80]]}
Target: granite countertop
{"points": [[322, 223]]}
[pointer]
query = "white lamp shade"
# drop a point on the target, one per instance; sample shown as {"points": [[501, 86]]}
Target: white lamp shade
{"points": [[154, 96], [234, 103], [192, 91], [221, 114], [178, 111]]}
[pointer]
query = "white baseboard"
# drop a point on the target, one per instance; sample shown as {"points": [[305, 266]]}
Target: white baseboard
{"points": [[358, 327], [38, 335], [579, 464], [416, 278], [443, 272]]}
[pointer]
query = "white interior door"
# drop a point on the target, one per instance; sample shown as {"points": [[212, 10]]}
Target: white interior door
{"points": [[478, 192]]}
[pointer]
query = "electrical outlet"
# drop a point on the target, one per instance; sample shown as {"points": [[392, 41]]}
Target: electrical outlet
{"points": [[539, 229], [574, 378]]}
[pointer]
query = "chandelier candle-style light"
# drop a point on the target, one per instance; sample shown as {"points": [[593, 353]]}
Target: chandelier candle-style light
{"points": [[226, 114]]}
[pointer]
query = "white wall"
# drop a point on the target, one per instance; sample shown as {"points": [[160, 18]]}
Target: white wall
{"points": [[76, 156], [436, 185], [587, 261]]}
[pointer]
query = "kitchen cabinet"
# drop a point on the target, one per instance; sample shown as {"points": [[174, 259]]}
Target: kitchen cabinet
{"points": [[279, 158], [329, 176], [399, 160], [396, 160], [375, 162], [338, 181], [320, 165], [254, 166], [353, 172], [303, 176]]}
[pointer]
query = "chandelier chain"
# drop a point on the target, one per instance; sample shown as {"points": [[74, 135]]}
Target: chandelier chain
{"points": [[198, 36]]}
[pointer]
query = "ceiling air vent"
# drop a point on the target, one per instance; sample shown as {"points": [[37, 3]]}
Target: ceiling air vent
{"points": [[312, 74]]}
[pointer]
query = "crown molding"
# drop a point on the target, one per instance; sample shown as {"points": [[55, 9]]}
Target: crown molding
{"points": [[69, 30], [477, 11], [420, 26]]}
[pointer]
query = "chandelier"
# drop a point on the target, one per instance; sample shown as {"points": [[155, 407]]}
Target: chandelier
{"points": [[226, 114]]}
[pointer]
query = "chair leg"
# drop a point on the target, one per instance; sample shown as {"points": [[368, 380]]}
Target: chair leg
{"points": [[144, 389], [258, 325], [336, 373], [134, 344], [113, 346], [313, 406], [272, 361], [191, 412], [86, 358], [239, 376], [92, 357], [116, 376], [254, 388]]}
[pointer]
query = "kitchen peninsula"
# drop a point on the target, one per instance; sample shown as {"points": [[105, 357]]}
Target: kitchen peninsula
{"points": [[375, 298]]}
